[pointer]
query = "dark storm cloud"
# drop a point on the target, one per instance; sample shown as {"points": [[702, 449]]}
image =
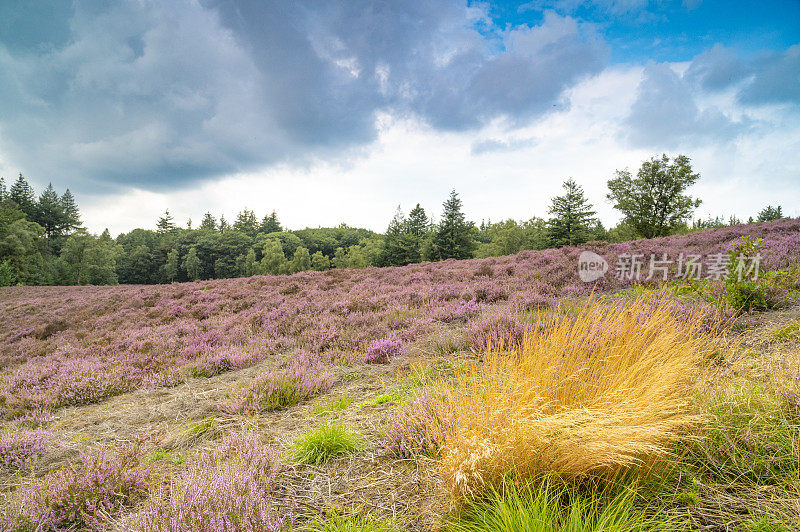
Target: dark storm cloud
{"points": [[665, 114], [160, 94]]}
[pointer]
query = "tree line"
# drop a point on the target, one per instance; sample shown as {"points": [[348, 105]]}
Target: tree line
{"points": [[42, 240]]}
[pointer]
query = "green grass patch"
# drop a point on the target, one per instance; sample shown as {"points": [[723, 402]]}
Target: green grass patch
{"points": [[790, 332], [338, 522], [547, 507], [332, 405], [326, 441], [384, 399]]}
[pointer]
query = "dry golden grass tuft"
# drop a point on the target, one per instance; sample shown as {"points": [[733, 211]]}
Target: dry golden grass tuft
{"points": [[587, 397]]}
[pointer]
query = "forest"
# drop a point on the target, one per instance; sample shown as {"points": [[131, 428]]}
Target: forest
{"points": [[43, 241]]}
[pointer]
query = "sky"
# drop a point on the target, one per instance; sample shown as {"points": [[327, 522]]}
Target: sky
{"points": [[339, 111]]}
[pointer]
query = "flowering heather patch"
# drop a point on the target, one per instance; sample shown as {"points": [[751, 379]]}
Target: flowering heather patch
{"points": [[380, 351], [17, 447], [456, 311], [228, 489], [83, 495], [417, 429], [79, 345], [302, 378], [495, 330]]}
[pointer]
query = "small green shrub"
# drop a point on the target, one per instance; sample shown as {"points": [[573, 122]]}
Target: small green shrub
{"points": [[326, 441]]}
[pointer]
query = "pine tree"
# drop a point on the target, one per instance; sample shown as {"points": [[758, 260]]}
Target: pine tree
{"points": [[192, 264], [22, 194], [393, 252], [223, 224], [453, 237], [209, 223], [770, 213], [572, 217], [270, 224], [166, 224], [246, 222], [50, 212], [72, 216]]}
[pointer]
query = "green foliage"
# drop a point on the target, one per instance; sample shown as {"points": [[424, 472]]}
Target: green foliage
{"points": [[246, 223], [572, 217], [22, 194], [270, 224], [743, 292], [7, 277], [171, 267], [273, 260], [654, 203], [404, 238], [301, 260], [89, 259], [770, 213], [209, 223], [549, 507], [320, 262], [326, 441], [454, 236], [166, 224], [192, 264]]}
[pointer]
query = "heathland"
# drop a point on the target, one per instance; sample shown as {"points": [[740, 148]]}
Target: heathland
{"points": [[487, 394]]}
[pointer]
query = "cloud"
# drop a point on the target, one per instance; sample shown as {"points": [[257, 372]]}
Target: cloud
{"points": [[160, 95], [765, 78], [491, 145], [665, 114]]}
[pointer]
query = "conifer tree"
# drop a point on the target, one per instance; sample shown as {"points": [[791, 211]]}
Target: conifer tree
{"points": [[50, 212], [770, 213], [572, 217], [3, 190], [453, 238], [72, 216], [246, 222], [223, 224], [208, 223], [22, 194], [270, 224], [166, 224]]}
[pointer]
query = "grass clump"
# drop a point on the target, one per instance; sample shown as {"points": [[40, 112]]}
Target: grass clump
{"points": [[587, 397], [338, 522], [332, 405], [547, 507], [326, 441]]}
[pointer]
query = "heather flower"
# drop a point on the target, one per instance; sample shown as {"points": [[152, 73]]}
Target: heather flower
{"points": [[302, 378], [380, 351], [228, 489], [82, 495], [498, 329], [18, 447], [417, 429]]}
